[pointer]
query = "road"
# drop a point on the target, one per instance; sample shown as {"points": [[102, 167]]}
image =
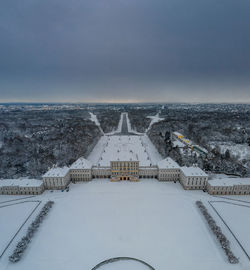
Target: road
{"points": [[124, 129]]}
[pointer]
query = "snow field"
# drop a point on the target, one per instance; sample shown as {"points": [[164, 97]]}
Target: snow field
{"points": [[12, 216], [152, 221], [110, 148], [237, 217], [124, 265]]}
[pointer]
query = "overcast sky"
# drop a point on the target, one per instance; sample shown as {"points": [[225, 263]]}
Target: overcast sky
{"points": [[125, 50]]}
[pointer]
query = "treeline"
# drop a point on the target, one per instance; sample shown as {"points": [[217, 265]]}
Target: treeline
{"points": [[203, 128], [33, 141]]}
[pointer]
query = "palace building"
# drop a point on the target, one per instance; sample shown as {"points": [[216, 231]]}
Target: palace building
{"points": [[125, 158], [124, 170]]}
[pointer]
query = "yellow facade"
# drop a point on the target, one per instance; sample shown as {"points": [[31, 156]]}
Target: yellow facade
{"points": [[124, 170]]}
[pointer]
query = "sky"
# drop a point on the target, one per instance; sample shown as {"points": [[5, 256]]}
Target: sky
{"points": [[125, 51]]}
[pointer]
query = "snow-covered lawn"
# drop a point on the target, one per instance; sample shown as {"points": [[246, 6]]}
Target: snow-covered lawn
{"points": [[148, 220], [110, 148], [124, 265], [7, 198], [237, 217], [12, 216]]}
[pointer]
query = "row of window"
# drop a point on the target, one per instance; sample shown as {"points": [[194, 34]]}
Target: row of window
{"points": [[21, 193], [195, 182], [131, 173], [230, 192], [168, 174]]}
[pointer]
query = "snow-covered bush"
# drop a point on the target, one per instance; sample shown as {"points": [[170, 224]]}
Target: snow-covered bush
{"points": [[23, 243], [225, 244]]}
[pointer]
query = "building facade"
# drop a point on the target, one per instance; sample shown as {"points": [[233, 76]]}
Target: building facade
{"points": [[168, 170], [57, 178], [81, 170], [21, 187], [193, 178], [229, 186], [124, 170]]}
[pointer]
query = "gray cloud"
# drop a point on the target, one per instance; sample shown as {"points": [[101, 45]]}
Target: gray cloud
{"points": [[174, 50]]}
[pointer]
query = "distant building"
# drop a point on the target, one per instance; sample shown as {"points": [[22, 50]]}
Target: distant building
{"points": [[176, 136], [21, 187]]}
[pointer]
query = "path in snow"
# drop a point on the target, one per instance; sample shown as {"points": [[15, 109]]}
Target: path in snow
{"points": [[93, 118], [154, 119], [125, 127]]}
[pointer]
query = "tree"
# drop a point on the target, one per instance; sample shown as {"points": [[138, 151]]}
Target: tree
{"points": [[227, 154]]}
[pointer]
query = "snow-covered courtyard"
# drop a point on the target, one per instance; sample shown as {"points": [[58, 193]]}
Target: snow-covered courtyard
{"points": [[110, 148], [148, 220]]}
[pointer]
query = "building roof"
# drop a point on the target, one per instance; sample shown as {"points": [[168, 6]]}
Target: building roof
{"points": [[57, 172], [81, 163], [21, 182], [229, 181], [193, 171], [168, 163], [176, 133], [178, 144]]}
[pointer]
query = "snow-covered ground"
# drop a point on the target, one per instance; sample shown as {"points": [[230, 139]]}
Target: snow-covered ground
{"points": [[154, 119], [110, 148], [93, 118], [12, 216], [237, 216], [149, 220], [124, 265]]}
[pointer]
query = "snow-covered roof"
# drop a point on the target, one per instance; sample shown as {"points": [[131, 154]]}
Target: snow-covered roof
{"points": [[200, 148], [57, 172], [193, 171], [167, 163], [229, 181], [178, 143], [176, 133], [21, 182], [81, 163]]}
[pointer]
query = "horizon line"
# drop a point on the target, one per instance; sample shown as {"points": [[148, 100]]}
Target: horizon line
{"points": [[110, 102]]}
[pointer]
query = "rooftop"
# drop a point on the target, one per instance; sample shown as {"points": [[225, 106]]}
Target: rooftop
{"points": [[57, 172], [81, 163], [193, 171], [229, 181], [177, 133], [21, 182], [168, 163]]}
